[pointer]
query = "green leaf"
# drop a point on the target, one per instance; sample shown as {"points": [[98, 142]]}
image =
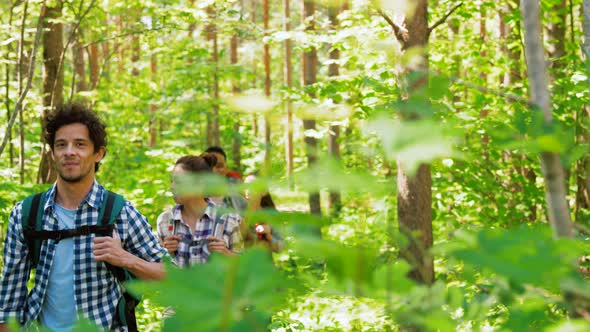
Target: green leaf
{"points": [[413, 142], [225, 292]]}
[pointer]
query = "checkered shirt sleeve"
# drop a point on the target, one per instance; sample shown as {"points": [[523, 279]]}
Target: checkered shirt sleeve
{"points": [[192, 248], [15, 274]]}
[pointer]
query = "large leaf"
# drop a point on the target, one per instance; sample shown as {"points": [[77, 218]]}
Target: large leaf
{"points": [[225, 293], [413, 142]]}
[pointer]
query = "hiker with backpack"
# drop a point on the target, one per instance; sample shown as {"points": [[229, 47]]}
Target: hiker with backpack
{"points": [[82, 240], [196, 227]]}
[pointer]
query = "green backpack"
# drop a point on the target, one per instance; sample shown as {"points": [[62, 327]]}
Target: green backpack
{"points": [[32, 223]]}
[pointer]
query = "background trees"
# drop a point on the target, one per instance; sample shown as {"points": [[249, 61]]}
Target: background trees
{"points": [[409, 127]]}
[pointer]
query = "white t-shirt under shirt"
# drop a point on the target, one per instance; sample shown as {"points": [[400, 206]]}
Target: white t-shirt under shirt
{"points": [[59, 307]]}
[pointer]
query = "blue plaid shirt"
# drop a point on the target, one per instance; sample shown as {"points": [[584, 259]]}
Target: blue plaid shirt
{"points": [[193, 247], [96, 290]]}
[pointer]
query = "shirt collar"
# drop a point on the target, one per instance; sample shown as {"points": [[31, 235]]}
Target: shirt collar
{"points": [[209, 211], [93, 198]]}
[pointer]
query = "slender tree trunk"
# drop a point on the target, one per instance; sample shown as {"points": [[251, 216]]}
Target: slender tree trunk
{"points": [[513, 47], [267, 85], [583, 166], [288, 77], [191, 29], [52, 81], [557, 207], [254, 73], [483, 36], [19, 102], [414, 196], [79, 63], [483, 113], [309, 71], [556, 35], [105, 49], [334, 201], [93, 64], [213, 118], [22, 72], [7, 90], [153, 107], [135, 54], [119, 46], [237, 140]]}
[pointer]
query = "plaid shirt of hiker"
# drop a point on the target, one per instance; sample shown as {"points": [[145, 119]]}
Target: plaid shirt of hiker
{"points": [[193, 247], [96, 290]]}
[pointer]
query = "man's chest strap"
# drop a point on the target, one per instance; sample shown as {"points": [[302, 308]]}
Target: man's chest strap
{"points": [[99, 230]]}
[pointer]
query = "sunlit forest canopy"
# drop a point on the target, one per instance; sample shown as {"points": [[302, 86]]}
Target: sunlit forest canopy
{"points": [[428, 158]]}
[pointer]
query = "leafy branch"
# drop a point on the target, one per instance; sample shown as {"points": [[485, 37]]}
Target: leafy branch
{"points": [[19, 102]]}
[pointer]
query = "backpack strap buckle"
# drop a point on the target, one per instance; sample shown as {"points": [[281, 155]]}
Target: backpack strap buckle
{"points": [[84, 230]]}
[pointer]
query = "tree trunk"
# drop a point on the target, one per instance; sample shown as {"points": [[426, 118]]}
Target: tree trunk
{"points": [[583, 165], [414, 196], [482, 36], [153, 107], [557, 207], [52, 81], [8, 66], [79, 63], [267, 84], [135, 54], [22, 72], [213, 117], [119, 46], [254, 73], [288, 77], [93, 64], [334, 202], [513, 46], [236, 141], [556, 35], [309, 71]]}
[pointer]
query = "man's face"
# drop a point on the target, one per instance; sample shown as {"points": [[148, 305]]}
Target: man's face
{"points": [[221, 166], [73, 152]]}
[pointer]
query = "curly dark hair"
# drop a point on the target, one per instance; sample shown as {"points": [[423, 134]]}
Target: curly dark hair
{"points": [[198, 164], [76, 113]]}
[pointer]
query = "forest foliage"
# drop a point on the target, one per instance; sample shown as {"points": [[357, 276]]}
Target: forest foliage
{"points": [[161, 74]]}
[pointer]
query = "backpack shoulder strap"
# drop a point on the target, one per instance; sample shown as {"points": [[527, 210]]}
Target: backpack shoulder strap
{"points": [[32, 220], [110, 208], [108, 212]]}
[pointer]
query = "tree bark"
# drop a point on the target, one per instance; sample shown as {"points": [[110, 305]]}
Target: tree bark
{"points": [[288, 77], [414, 196], [153, 108], [254, 72], [22, 73], [334, 201], [52, 81], [135, 54], [583, 165], [79, 63], [557, 207], [309, 72], [93, 64], [267, 86], [213, 117], [120, 47], [7, 90], [236, 140]]}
